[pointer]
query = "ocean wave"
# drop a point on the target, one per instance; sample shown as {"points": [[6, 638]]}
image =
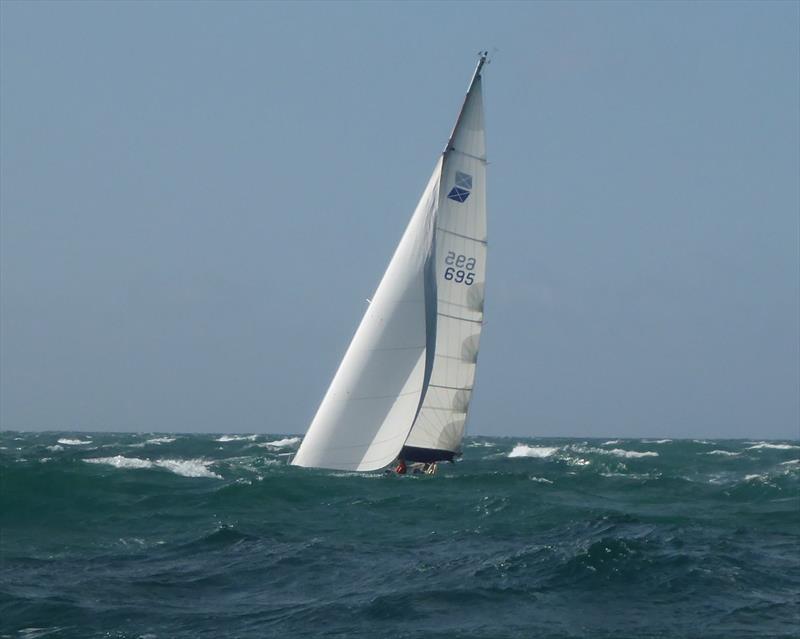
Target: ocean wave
{"points": [[578, 461], [55, 448], [772, 446], [188, 467], [160, 440], [281, 443], [236, 438], [611, 442], [656, 441], [541, 480], [617, 452], [729, 453], [523, 450], [118, 461], [73, 442], [791, 462], [183, 467], [360, 475]]}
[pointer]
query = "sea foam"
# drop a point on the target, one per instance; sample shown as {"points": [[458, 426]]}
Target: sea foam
{"points": [[772, 446], [236, 438], [183, 467], [73, 442], [617, 452], [523, 450], [118, 461], [281, 443]]}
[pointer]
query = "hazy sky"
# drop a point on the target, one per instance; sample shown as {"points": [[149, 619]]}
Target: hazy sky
{"points": [[197, 199]]}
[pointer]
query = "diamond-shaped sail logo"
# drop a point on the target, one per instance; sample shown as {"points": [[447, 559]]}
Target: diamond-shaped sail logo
{"points": [[463, 180], [458, 194]]}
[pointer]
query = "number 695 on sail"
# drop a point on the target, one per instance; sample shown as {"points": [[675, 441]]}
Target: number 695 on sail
{"points": [[459, 268]]}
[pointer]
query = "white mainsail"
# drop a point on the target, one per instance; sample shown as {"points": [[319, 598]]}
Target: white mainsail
{"points": [[405, 382]]}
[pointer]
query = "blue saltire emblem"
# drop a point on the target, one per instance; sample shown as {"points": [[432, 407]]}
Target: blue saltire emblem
{"points": [[460, 192]]}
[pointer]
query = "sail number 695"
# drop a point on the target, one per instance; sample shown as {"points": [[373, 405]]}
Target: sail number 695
{"points": [[459, 268]]}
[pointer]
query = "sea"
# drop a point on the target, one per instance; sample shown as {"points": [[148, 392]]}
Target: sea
{"points": [[156, 535]]}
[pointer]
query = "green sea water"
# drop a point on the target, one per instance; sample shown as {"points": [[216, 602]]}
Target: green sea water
{"points": [[156, 536]]}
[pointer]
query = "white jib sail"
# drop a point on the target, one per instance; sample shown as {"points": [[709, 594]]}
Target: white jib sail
{"points": [[368, 410], [408, 374]]}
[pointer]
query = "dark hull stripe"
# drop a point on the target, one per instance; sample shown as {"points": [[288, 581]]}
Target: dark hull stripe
{"points": [[425, 455]]}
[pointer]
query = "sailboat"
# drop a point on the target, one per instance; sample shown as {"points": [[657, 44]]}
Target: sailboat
{"points": [[404, 385]]}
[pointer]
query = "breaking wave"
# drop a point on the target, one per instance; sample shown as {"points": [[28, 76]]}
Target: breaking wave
{"points": [[236, 438], [281, 443], [523, 450], [760, 445], [183, 467]]}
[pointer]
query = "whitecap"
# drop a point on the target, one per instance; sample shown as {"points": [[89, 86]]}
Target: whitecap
{"points": [[617, 452], [44, 460], [541, 480], [73, 442], [656, 441], [364, 475], [236, 438], [523, 450], [772, 446], [188, 467], [55, 448], [185, 468], [754, 477], [611, 442], [790, 462], [631, 454], [720, 452], [578, 461], [160, 440], [281, 443], [118, 461]]}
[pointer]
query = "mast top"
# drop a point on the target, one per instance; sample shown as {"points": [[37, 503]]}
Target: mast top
{"points": [[483, 58]]}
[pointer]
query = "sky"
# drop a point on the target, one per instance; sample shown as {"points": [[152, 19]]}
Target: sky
{"points": [[196, 199]]}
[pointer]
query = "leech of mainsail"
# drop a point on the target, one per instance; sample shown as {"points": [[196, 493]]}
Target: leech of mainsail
{"points": [[405, 382]]}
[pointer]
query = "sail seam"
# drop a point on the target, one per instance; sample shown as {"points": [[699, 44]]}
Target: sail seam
{"points": [[465, 319], [469, 155], [363, 397], [458, 388], [455, 358], [466, 237]]}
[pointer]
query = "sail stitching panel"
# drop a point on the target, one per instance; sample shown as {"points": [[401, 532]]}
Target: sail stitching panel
{"points": [[466, 237]]}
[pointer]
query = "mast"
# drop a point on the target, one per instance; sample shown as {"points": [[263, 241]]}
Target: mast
{"points": [[483, 58]]}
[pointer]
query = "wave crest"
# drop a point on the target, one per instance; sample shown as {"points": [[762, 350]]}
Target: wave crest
{"points": [[523, 450]]}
